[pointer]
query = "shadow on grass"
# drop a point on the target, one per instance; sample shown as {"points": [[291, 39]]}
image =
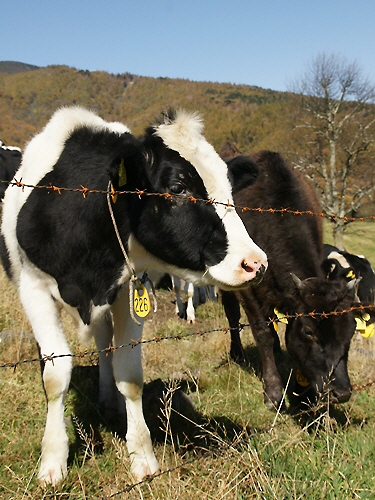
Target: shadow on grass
{"points": [[171, 417], [183, 426], [169, 413]]}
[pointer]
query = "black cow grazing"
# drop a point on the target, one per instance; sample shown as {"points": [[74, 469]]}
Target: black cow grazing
{"points": [[61, 249], [338, 264], [294, 284], [10, 159]]}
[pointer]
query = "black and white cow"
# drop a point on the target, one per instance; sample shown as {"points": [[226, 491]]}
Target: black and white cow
{"points": [[318, 344], [195, 296], [61, 250], [338, 264], [10, 159]]}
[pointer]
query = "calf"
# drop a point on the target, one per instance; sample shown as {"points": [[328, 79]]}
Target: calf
{"points": [[62, 251], [294, 284], [195, 295], [338, 264], [10, 159]]}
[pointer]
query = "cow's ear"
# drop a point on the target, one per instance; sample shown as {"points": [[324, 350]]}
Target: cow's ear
{"points": [[122, 169], [242, 172], [328, 266]]}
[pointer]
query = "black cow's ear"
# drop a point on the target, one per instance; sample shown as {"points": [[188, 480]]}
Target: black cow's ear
{"points": [[242, 172], [123, 167]]}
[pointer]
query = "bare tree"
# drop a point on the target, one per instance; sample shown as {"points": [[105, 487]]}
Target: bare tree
{"points": [[337, 126]]}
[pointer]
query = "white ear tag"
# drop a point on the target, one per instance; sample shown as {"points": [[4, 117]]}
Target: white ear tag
{"points": [[141, 302]]}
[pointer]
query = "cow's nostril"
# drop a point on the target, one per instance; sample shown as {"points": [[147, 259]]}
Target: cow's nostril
{"points": [[341, 396], [262, 269], [246, 267]]}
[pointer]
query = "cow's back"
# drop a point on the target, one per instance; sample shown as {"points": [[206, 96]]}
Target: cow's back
{"points": [[292, 242]]}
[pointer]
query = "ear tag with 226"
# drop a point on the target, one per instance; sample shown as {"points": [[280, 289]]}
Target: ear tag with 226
{"points": [[141, 301]]}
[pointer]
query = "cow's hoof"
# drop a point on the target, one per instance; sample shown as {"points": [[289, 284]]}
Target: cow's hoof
{"points": [[274, 405], [145, 467]]}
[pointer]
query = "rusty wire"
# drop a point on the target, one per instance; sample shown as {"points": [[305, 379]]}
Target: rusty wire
{"points": [[85, 191], [181, 336]]}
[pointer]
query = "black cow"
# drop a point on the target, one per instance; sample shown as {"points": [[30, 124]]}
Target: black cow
{"points": [[10, 159], [338, 264], [294, 284], [61, 249]]}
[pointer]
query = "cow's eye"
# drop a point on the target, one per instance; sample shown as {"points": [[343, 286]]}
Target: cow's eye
{"points": [[308, 332], [177, 189]]}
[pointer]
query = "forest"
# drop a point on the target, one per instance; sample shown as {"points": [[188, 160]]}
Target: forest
{"points": [[250, 116]]}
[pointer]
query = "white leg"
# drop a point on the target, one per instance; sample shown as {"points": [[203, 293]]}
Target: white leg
{"points": [[127, 367], [190, 311], [44, 317], [176, 286]]}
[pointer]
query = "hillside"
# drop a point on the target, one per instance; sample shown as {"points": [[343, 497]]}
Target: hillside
{"points": [[250, 116], [15, 67]]}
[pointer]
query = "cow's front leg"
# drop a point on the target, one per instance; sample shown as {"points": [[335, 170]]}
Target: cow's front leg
{"points": [[127, 368], [272, 383], [233, 314], [111, 402], [44, 317]]}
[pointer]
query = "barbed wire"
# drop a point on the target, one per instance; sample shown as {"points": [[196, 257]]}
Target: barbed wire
{"points": [[181, 336], [85, 191]]}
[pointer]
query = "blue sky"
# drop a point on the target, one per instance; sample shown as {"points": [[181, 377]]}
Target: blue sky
{"points": [[267, 43]]}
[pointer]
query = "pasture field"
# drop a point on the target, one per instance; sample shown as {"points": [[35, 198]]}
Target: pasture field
{"points": [[213, 436]]}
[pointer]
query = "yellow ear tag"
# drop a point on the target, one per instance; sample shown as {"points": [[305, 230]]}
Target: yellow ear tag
{"points": [[360, 324], [301, 379], [366, 331], [281, 317], [141, 302], [350, 274], [369, 331], [122, 173]]}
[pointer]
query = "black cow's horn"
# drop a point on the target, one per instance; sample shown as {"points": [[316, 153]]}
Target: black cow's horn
{"points": [[299, 283]]}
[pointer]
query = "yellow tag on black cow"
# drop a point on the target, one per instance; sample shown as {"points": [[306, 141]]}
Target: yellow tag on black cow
{"points": [[301, 379], [369, 331], [281, 318], [141, 302], [122, 173]]}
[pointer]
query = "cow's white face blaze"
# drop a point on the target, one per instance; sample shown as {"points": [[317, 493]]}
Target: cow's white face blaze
{"points": [[244, 261]]}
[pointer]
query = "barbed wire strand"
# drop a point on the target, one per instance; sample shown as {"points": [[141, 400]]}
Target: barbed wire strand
{"points": [[85, 191], [181, 336]]}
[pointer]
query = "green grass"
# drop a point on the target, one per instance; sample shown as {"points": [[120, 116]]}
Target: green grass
{"points": [[358, 238], [206, 415]]}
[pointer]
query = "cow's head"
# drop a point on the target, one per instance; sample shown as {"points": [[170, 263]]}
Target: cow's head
{"points": [[335, 267], [194, 232], [319, 343]]}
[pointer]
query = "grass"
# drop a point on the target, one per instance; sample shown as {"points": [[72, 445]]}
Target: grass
{"points": [[213, 436], [358, 238]]}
